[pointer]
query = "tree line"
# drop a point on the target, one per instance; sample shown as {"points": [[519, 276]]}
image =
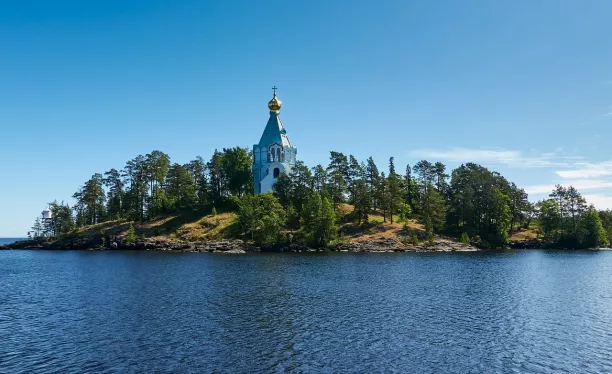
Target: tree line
{"points": [[471, 202]]}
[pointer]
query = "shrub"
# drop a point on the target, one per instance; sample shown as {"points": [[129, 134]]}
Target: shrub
{"points": [[465, 239], [130, 236]]}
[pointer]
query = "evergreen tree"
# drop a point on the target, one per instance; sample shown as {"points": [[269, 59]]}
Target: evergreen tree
{"points": [[114, 183], [361, 201], [499, 221], [337, 177], [549, 217], [394, 191], [262, 217], [236, 171], [593, 233], [319, 220], [197, 170], [180, 189], [373, 181], [319, 178], [215, 177], [37, 228]]}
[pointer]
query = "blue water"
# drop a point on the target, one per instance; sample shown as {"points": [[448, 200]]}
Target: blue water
{"points": [[144, 312], [9, 240]]}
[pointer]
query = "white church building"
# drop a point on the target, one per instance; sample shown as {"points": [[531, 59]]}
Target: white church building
{"points": [[274, 154]]}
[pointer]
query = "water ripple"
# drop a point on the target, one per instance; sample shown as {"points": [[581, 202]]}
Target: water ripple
{"points": [[117, 312]]}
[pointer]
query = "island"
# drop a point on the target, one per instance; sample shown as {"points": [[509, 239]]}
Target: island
{"points": [[265, 198]]}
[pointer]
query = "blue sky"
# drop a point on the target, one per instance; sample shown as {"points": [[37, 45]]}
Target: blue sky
{"points": [[523, 87]]}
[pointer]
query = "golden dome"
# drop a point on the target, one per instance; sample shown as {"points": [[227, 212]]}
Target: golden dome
{"points": [[275, 104]]}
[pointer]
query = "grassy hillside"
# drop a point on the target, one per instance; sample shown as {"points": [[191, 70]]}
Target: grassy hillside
{"points": [[223, 226]]}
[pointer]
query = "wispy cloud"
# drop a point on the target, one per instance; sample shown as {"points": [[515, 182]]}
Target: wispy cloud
{"points": [[512, 158], [580, 184], [587, 170]]}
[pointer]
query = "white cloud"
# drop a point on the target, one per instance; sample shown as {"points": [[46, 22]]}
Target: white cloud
{"points": [[493, 156], [587, 170], [600, 201], [579, 184]]}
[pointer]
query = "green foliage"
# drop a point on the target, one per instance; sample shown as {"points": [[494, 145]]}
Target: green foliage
{"points": [[475, 202], [465, 238], [411, 236], [549, 218], [429, 236], [593, 234], [262, 217], [337, 177], [90, 199], [181, 193], [213, 212], [319, 220], [394, 196], [566, 221], [130, 236], [499, 227]]}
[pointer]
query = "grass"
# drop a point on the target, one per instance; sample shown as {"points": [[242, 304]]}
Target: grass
{"points": [[524, 234]]}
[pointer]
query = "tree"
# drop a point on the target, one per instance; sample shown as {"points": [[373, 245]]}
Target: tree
{"points": [[499, 221], [319, 178], [337, 177], [180, 189], [372, 181], [61, 221], [236, 171], [394, 198], [361, 201], [431, 206], [37, 228], [593, 233], [549, 218], [90, 201], [283, 189], [262, 217], [135, 175], [441, 176], [197, 170], [572, 206], [319, 220], [215, 176]]}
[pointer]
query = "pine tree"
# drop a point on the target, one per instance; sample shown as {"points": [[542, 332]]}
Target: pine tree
{"points": [[337, 177], [373, 181], [394, 191]]}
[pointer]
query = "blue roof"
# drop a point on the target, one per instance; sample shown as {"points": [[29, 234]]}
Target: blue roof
{"points": [[274, 132]]}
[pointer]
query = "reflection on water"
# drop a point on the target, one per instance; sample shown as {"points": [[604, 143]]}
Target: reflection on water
{"points": [[531, 311]]}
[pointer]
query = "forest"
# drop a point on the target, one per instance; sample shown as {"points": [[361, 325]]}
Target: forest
{"points": [[470, 203]]}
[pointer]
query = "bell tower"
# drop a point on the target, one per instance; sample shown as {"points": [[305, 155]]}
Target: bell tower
{"points": [[274, 154]]}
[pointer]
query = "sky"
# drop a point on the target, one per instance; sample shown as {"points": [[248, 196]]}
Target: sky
{"points": [[523, 87]]}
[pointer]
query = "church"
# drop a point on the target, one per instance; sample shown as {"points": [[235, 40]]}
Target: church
{"points": [[274, 154]]}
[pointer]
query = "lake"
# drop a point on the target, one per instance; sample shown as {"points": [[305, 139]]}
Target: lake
{"points": [[513, 312]]}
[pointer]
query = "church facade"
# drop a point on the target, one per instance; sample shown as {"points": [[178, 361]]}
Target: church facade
{"points": [[274, 154]]}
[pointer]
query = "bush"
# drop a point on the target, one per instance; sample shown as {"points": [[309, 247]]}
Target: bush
{"points": [[430, 237], [130, 236], [465, 239]]}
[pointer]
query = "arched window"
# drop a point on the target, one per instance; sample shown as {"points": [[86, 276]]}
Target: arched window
{"points": [[276, 172], [278, 154]]}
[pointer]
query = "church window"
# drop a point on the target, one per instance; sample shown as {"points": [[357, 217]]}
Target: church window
{"points": [[278, 154], [276, 172]]}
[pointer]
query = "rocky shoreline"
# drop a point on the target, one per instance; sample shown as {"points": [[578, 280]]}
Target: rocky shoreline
{"points": [[229, 246]]}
